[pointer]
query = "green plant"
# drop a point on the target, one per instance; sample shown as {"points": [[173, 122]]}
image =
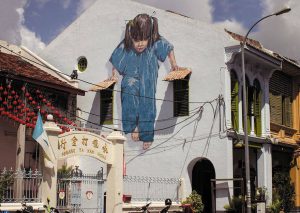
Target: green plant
{"points": [[261, 193], [64, 171], [283, 193], [6, 180], [275, 207], [235, 204], [195, 200]]}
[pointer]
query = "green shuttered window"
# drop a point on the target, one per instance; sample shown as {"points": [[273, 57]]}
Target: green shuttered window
{"points": [[181, 97], [106, 105], [234, 100], [281, 99], [257, 96]]}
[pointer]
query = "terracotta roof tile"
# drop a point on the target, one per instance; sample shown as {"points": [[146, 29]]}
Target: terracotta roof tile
{"points": [[240, 38], [102, 85], [178, 74], [15, 65]]}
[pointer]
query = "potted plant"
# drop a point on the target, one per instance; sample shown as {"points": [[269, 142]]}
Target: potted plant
{"points": [[194, 201], [235, 204], [260, 194]]}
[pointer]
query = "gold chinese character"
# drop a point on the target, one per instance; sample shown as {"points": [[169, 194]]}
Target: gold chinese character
{"points": [[95, 143], [84, 141], [62, 144], [105, 149], [74, 141]]}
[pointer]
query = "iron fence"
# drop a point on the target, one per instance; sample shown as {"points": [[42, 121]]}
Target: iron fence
{"points": [[20, 186], [80, 192], [142, 188]]}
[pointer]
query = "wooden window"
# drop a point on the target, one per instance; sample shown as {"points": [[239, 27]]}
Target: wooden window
{"points": [[257, 95], [281, 98], [181, 97], [106, 105], [234, 100]]}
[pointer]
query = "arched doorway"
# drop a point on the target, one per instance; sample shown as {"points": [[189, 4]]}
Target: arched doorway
{"points": [[203, 172]]}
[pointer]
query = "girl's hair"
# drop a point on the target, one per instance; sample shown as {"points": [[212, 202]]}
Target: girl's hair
{"points": [[142, 27]]}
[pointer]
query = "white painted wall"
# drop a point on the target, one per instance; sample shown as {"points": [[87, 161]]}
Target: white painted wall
{"points": [[198, 46]]}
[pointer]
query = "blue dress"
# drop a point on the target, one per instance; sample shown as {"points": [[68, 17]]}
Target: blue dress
{"points": [[138, 86]]}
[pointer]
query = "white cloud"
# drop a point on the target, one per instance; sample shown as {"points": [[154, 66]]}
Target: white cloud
{"points": [[281, 33], [31, 41], [12, 27], [83, 5], [11, 20], [232, 25], [199, 9]]}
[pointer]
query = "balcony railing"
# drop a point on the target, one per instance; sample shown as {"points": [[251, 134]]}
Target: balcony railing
{"points": [[151, 188], [20, 186]]}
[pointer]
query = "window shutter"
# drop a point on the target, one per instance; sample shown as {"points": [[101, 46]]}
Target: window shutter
{"points": [[234, 101], [281, 99], [106, 106], [257, 109], [275, 107], [181, 97], [287, 116]]}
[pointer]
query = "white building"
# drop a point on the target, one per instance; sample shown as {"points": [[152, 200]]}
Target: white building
{"points": [[195, 147]]}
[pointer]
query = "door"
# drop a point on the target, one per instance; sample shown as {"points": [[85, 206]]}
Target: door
{"points": [[203, 172]]}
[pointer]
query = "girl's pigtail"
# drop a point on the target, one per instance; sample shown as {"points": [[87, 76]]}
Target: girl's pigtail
{"points": [[155, 34], [127, 39]]}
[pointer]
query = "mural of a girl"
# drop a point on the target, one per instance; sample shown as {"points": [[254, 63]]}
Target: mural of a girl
{"points": [[136, 59]]}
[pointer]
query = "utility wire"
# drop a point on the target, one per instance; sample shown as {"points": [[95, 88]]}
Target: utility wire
{"points": [[87, 82], [163, 141]]}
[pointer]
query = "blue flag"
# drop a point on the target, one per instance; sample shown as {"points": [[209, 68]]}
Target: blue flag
{"points": [[40, 135]]}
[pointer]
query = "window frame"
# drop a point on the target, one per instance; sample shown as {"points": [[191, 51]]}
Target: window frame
{"points": [[181, 88]]}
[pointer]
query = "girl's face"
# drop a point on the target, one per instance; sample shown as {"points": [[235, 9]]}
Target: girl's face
{"points": [[140, 45]]}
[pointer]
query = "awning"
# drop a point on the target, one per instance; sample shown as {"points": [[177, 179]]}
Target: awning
{"points": [[102, 85], [178, 74]]}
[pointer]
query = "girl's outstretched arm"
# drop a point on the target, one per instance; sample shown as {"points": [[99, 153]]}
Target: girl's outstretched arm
{"points": [[172, 60], [114, 76]]}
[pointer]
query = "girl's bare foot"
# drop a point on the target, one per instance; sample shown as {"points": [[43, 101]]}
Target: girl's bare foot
{"points": [[146, 145], [135, 135]]}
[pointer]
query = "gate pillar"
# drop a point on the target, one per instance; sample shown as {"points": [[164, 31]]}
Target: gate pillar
{"points": [[49, 182], [114, 192]]}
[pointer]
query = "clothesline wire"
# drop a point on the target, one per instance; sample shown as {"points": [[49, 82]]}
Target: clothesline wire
{"points": [[93, 84]]}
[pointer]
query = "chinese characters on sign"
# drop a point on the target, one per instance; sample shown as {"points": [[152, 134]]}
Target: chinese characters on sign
{"points": [[84, 143]]}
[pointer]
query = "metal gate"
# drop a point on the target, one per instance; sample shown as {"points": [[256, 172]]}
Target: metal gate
{"points": [[78, 192]]}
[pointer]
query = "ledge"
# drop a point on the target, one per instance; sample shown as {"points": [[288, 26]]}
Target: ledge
{"points": [[18, 206]]}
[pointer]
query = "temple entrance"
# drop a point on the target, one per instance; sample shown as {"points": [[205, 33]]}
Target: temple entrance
{"points": [[203, 172], [79, 192]]}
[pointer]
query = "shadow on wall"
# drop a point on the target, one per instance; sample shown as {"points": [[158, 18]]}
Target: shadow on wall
{"points": [[94, 116], [166, 122]]}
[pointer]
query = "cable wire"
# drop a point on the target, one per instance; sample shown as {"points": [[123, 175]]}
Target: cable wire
{"points": [[87, 82]]}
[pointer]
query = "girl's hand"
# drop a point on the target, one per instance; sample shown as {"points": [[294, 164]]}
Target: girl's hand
{"points": [[114, 75], [175, 67], [113, 78]]}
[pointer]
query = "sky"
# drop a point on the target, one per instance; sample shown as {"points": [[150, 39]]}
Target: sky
{"points": [[35, 23]]}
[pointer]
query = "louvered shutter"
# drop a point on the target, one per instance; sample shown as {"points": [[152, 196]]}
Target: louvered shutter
{"points": [[257, 109], [106, 106], [281, 99], [275, 107], [287, 112], [234, 101], [181, 97]]}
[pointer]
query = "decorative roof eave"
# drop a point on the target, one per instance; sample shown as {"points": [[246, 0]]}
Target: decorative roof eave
{"points": [[178, 74], [17, 68], [233, 51], [42, 83], [264, 55], [251, 43], [102, 85]]}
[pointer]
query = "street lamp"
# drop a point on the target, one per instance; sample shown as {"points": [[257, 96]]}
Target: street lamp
{"points": [[247, 164]]}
